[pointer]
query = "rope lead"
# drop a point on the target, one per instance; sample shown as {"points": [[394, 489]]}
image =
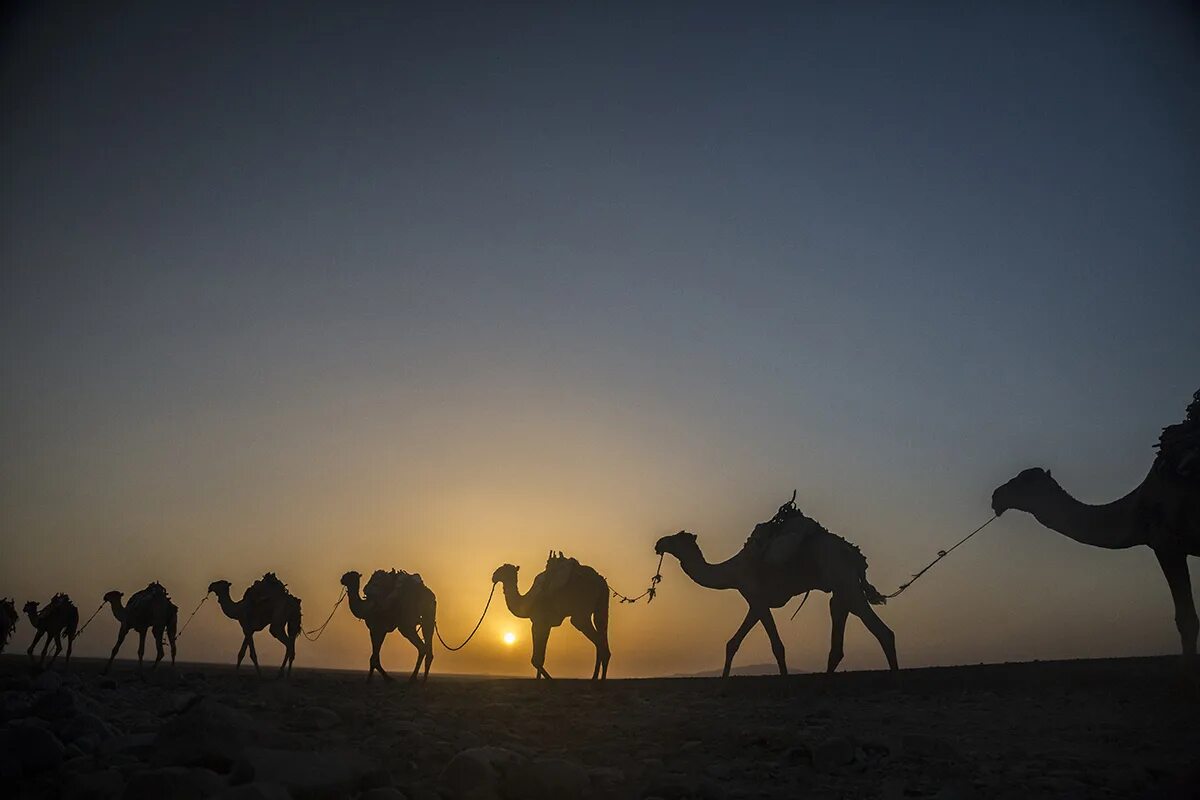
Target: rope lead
{"points": [[473, 630]]}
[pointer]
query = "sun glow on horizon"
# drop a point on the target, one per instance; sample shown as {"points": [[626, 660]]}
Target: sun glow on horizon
{"points": [[509, 638]]}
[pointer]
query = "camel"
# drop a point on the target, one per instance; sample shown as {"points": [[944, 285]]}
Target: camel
{"points": [[564, 589], [394, 601], [149, 609], [8, 620], [58, 617], [1162, 513], [779, 562], [266, 604]]}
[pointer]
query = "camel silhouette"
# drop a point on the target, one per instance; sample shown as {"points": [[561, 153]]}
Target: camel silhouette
{"points": [[8, 620], [60, 616], [149, 609], [265, 604], [564, 589], [787, 556], [394, 601], [1162, 513]]}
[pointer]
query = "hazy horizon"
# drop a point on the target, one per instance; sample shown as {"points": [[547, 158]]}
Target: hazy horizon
{"points": [[308, 289]]}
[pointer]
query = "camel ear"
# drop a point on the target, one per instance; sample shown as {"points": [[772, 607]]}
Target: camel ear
{"points": [[693, 536], [1049, 474], [516, 569]]}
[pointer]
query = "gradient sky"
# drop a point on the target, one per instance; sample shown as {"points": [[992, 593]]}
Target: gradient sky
{"points": [[317, 287]]}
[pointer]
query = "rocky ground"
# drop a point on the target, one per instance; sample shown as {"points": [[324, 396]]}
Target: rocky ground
{"points": [[1121, 728]]}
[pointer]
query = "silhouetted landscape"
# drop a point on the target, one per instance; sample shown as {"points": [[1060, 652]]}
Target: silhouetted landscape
{"points": [[1075, 729]]}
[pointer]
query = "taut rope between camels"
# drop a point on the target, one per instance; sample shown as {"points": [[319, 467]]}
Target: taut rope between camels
{"points": [[473, 630], [313, 635], [179, 635], [79, 632]]}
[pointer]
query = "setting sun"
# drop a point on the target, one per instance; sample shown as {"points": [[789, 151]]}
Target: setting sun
{"points": [[509, 638]]}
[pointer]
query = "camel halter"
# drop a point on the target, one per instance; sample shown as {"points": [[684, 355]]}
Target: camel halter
{"points": [[79, 632], [473, 630], [650, 592]]}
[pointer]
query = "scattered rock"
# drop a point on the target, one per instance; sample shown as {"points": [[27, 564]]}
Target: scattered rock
{"points": [[308, 775], [85, 725], [384, 793], [316, 718], [547, 779], [33, 747], [105, 784], [178, 783], [47, 681], [58, 704], [208, 734], [922, 745], [832, 753], [259, 790], [476, 774]]}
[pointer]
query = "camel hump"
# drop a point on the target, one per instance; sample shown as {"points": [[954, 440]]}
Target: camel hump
{"points": [[560, 569], [153, 592], [1179, 447], [781, 535], [384, 583]]}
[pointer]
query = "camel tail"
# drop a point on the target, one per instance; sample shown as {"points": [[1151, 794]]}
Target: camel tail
{"points": [[872, 594], [294, 627]]}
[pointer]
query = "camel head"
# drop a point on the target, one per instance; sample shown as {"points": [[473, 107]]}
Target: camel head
{"points": [[1024, 491], [351, 579], [113, 597], [506, 573], [677, 544], [31, 608], [10, 607], [216, 587]]}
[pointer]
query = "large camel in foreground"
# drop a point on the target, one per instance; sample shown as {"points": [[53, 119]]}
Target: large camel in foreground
{"points": [[788, 556], [8, 620], [59, 617], [564, 589], [266, 604], [149, 609], [394, 601], [1162, 513]]}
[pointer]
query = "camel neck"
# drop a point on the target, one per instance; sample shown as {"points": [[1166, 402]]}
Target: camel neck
{"points": [[118, 610], [226, 603], [710, 576], [358, 605], [1112, 526], [513, 599]]}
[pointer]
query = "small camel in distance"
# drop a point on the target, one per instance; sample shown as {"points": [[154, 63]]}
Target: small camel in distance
{"points": [[265, 604], [60, 616], [564, 589], [778, 563], [149, 609], [394, 601]]}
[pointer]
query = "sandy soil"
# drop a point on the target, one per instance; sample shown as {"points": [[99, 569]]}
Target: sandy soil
{"points": [[1111, 728]]}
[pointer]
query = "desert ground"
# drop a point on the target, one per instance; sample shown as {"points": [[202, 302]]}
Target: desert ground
{"points": [[1103, 728]]}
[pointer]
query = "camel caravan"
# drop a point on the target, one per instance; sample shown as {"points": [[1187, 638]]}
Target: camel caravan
{"points": [[787, 556]]}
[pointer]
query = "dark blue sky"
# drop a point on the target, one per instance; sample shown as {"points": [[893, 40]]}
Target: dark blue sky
{"points": [[911, 247]]}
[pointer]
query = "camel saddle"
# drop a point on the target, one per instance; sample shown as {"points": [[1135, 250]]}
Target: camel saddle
{"points": [[268, 588], [1178, 447], [554, 578], [146, 596], [388, 587], [60, 599], [780, 537]]}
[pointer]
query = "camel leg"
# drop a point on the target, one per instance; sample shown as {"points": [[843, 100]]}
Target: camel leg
{"points": [[838, 611], [377, 639], [1175, 569], [116, 649], [57, 648], [600, 620], [171, 639], [253, 655], [33, 645], [583, 624], [768, 623], [70, 647], [242, 652], [428, 631], [411, 635], [287, 652], [158, 648], [541, 634], [731, 647], [141, 648], [887, 640]]}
